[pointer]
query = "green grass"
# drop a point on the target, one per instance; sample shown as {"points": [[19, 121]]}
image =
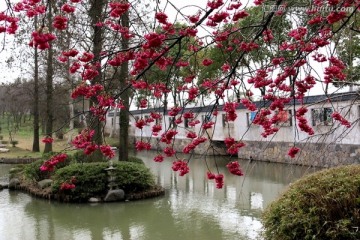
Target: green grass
{"points": [[24, 135]]}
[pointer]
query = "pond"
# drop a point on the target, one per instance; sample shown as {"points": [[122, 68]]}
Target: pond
{"points": [[192, 207]]}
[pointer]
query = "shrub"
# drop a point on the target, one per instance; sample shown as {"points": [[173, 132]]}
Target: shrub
{"points": [[15, 171], [96, 156], [32, 170], [92, 179], [135, 160], [133, 177], [80, 157], [323, 205]]}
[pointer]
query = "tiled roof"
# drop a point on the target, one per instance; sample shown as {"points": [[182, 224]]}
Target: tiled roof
{"points": [[309, 100]]}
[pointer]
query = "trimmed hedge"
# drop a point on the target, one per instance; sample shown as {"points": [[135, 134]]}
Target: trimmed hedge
{"points": [[135, 160], [32, 170], [92, 179], [81, 157], [323, 205]]}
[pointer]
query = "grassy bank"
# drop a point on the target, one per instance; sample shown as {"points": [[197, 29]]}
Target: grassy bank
{"points": [[24, 148]]}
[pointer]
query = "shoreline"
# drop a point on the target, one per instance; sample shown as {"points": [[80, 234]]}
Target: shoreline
{"points": [[17, 160], [33, 190]]}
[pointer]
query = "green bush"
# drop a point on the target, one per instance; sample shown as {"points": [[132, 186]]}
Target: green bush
{"points": [[92, 179], [15, 171], [32, 170], [323, 205], [80, 157], [133, 177], [135, 160], [96, 156]]}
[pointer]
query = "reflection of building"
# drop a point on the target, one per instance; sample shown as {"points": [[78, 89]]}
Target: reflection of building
{"points": [[332, 144]]}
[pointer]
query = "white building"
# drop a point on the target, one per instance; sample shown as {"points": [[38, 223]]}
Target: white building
{"points": [[332, 144]]}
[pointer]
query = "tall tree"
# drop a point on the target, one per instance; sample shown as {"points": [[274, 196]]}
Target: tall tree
{"points": [[125, 97], [49, 82], [36, 144], [96, 16]]}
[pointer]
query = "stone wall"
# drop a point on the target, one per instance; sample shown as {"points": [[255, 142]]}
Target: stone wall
{"points": [[179, 144], [311, 154], [18, 160]]}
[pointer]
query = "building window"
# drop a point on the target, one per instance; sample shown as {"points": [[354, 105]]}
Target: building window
{"points": [[321, 116], [171, 122], [186, 123], [226, 123], [250, 116], [205, 118], [158, 121]]}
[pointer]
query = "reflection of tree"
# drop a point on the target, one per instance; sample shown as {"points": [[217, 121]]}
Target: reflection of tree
{"points": [[114, 217]]}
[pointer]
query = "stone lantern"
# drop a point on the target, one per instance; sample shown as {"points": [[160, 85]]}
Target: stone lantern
{"points": [[114, 193]]}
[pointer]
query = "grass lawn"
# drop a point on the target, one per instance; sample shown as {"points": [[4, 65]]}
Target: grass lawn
{"points": [[24, 136], [24, 147]]}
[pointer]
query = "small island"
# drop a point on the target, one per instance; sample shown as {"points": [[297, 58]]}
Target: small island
{"points": [[67, 178]]}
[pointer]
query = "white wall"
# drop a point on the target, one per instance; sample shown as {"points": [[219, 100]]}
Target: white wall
{"points": [[240, 130]]}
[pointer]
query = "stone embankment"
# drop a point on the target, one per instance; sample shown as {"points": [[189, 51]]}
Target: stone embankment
{"points": [[45, 192], [17, 160]]}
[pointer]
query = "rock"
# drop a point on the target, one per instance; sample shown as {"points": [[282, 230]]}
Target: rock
{"points": [[94, 200], [14, 170], [45, 183], [115, 195], [13, 183], [1, 187], [4, 150]]}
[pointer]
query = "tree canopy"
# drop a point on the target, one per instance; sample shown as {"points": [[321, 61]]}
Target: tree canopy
{"points": [[275, 49]]}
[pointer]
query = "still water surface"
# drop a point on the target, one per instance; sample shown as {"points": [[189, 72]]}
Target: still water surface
{"points": [[192, 207]]}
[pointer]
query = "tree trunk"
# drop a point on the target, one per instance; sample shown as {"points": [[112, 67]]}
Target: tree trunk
{"points": [[36, 135], [72, 116], [125, 97], [71, 100], [95, 14], [49, 86], [36, 140]]}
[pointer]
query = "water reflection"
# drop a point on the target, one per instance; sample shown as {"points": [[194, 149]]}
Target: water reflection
{"points": [[191, 209]]}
